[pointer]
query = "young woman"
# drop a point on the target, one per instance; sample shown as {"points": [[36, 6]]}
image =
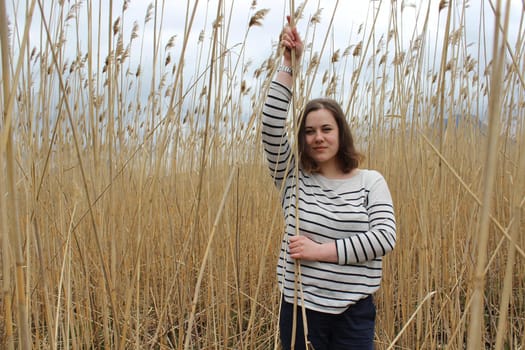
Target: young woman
{"points": [[346, 218]]}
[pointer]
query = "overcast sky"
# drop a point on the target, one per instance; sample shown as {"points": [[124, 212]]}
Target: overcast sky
{"points": [[350, 17]]}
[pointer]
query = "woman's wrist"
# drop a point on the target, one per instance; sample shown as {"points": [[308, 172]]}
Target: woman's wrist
{"points": [[286, 62], [328, 252], [285, 72], [285, 68]]}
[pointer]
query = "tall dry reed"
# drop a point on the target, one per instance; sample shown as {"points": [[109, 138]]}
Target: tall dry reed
{"points": [[137, 210]]}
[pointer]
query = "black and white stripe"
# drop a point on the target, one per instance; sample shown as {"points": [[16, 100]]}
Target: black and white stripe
{"points": [[356, 213]]}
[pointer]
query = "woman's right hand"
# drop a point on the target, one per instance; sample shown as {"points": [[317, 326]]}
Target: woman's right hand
{"points": [[291, 40]]}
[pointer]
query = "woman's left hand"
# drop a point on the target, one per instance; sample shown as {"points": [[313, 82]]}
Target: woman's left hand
{"points": [[302, 247]]}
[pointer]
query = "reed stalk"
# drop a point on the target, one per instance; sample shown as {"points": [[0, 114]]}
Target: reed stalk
{"points": [[511, 257], [475, 335], [12, 235], [113, 178], [296, 113]]}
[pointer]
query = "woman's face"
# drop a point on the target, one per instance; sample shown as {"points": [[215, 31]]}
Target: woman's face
{"points": [[321, 137]]}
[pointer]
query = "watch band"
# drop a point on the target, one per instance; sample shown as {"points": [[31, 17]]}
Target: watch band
{"points": [[283, 68]]}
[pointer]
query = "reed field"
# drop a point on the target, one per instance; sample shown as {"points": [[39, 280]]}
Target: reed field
{"points": [[137, 211]]}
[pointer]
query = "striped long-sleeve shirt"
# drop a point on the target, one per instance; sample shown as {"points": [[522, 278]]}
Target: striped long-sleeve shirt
{"points": [[357, 213]]}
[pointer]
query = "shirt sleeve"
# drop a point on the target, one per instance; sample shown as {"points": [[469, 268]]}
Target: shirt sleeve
{"points": [[274, 138], [380, 239]]}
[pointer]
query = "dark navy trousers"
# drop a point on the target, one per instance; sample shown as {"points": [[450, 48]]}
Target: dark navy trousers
{"points": [[350, 330]]}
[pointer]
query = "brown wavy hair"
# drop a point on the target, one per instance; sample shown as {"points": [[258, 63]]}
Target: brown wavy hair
{"points": [[349, 158]]}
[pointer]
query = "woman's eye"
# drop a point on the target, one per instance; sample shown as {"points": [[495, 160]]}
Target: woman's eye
{"points": [[309, 132]]}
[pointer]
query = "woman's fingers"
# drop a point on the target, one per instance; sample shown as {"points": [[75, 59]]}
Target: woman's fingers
{"points": [[291, 40], [296, 35], [294, 244], [298, 246], [288, 41]]}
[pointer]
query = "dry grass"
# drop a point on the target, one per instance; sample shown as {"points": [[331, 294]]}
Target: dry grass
{"points": [[116, 207]]}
